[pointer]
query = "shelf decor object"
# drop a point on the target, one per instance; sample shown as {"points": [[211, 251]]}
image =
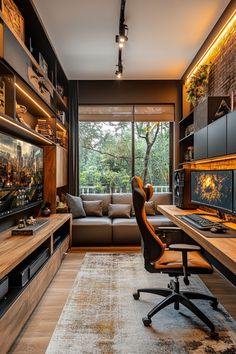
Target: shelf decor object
{"points": [[13, 18], [43, 64]]}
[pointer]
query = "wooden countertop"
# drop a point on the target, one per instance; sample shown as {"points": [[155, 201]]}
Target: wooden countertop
{"points": [[13, 249], [223, 249]]}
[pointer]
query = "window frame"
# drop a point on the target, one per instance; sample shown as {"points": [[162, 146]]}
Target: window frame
{"points": [[171, 132]]}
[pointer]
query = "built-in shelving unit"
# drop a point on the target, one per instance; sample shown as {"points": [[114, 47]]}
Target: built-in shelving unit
{"points": [[186, 142], [34, 106]]}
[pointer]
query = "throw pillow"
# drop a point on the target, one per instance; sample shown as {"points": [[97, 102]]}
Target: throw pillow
{"points": [[93, 208], [119, 210], [150, 208], [76, 206]]}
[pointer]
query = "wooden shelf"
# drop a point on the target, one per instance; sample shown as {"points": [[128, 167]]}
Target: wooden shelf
{"points": [[186, 138], [15, 127], [37, 66]]}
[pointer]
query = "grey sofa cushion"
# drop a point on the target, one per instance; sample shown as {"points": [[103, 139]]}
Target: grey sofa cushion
{"points": [[158, 198], [162, 199], [126, 231], [150, 208], [160, 220], [119, 210], [76, 206], [123, 198], [106, 199], [92, 230], [93, 207]]}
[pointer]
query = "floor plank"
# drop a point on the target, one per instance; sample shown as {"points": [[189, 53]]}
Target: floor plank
{"points": [[37, 332]]}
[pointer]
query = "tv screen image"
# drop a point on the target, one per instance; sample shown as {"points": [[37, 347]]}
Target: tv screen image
{"points": [[21, 174], [213, 189]]}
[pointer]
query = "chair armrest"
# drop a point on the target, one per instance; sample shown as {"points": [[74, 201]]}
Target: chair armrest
{"points": [[184, 247]]}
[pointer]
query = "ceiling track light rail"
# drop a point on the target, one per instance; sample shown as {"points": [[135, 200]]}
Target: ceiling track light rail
{"points": [[121, 38]]}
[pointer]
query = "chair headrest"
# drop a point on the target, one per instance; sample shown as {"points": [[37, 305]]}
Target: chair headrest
{"points": [[137, 182], [149, 191]]}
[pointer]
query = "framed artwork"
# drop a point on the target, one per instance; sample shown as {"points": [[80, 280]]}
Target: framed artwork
{"points": [[13, 18]]}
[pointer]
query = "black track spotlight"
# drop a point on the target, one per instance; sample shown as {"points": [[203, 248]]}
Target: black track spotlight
{"points": [[119, 70], [121, 38]]}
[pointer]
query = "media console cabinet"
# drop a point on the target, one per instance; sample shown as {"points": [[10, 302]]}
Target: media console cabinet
{"points": [[15, 251]]}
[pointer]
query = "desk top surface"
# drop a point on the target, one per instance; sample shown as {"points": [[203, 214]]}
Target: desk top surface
{"points": [[223, 249]]}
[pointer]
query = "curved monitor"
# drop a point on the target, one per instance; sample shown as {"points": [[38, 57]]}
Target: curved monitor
{"points": [[213, 189]]}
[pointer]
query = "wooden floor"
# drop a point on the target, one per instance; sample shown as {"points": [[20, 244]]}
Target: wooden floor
{"points": [[38, 330]]}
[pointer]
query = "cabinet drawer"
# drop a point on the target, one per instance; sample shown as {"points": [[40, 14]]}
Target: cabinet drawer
{"points": [[64, 246]]}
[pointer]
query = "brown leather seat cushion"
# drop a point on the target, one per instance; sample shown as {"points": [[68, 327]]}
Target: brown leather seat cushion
{"points": [[173, 260]]}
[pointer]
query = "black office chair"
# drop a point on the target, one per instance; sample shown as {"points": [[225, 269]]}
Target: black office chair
{"points": [[176, 260]]}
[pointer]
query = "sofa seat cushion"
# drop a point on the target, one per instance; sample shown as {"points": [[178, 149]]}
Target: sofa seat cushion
{"points": [[92, 230], [126, 231], [160, 220]]}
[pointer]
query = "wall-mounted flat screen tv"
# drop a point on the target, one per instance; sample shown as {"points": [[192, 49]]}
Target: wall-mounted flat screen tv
{"points": [[213, 189], [21, 175]]}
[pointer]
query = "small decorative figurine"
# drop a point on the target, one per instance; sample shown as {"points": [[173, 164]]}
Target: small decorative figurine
{"points": [[21, 224]]}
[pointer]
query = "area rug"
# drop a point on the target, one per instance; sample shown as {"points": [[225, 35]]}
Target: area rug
{"points": [[101, 316]]}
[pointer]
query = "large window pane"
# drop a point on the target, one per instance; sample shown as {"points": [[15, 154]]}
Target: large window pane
{"points": [[105, 157], [152, 153]]}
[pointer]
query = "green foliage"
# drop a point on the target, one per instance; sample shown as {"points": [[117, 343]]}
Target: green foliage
{"points": [[106, 154]]}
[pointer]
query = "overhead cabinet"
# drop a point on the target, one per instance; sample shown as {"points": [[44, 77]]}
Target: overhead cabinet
{"points": [[231, 133], [216, 138]]}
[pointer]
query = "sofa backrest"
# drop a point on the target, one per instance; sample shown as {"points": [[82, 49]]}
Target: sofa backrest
{"points": [[126, 198]]}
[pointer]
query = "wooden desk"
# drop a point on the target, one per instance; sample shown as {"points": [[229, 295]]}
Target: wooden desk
{"points": [[223, 249]]}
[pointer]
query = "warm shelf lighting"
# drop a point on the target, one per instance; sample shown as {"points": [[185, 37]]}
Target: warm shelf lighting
{"points": [[231, 23], [32, 100], [26, 130], [62, 128]]}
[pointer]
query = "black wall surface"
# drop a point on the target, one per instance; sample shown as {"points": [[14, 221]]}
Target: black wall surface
{"points": [[134, 92]]}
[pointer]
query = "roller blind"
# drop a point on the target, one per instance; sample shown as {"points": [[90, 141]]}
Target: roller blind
{"points": [[127, 113]]}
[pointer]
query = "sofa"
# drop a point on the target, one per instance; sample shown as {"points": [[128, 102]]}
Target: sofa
{"points": [[103, 230]]}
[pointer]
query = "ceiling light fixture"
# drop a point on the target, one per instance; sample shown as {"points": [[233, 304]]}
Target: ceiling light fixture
{"points": [[119, 70], [121, 38]]}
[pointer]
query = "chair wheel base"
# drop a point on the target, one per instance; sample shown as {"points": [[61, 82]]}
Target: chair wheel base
{"points": [[147, 321], [214, 336], [136, 296]]}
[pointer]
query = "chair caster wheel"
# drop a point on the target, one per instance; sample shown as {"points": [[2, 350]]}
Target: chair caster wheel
{"points": [[214, 336], [136, 296], [214, 305], [147, 321]]}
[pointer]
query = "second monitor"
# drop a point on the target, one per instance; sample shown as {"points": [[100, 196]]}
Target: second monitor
{"points": [[213, 189]]}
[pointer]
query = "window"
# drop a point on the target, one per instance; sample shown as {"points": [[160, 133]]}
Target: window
{"points": [[105, 157], [117, 142]]}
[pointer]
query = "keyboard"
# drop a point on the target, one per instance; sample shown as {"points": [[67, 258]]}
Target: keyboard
{"points": [[200, 222]]}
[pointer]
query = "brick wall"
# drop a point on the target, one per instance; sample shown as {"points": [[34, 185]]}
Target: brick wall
{"points": [[222, 78]]}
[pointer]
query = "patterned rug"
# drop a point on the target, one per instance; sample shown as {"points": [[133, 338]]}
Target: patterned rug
{"points": [[101, 316]]}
